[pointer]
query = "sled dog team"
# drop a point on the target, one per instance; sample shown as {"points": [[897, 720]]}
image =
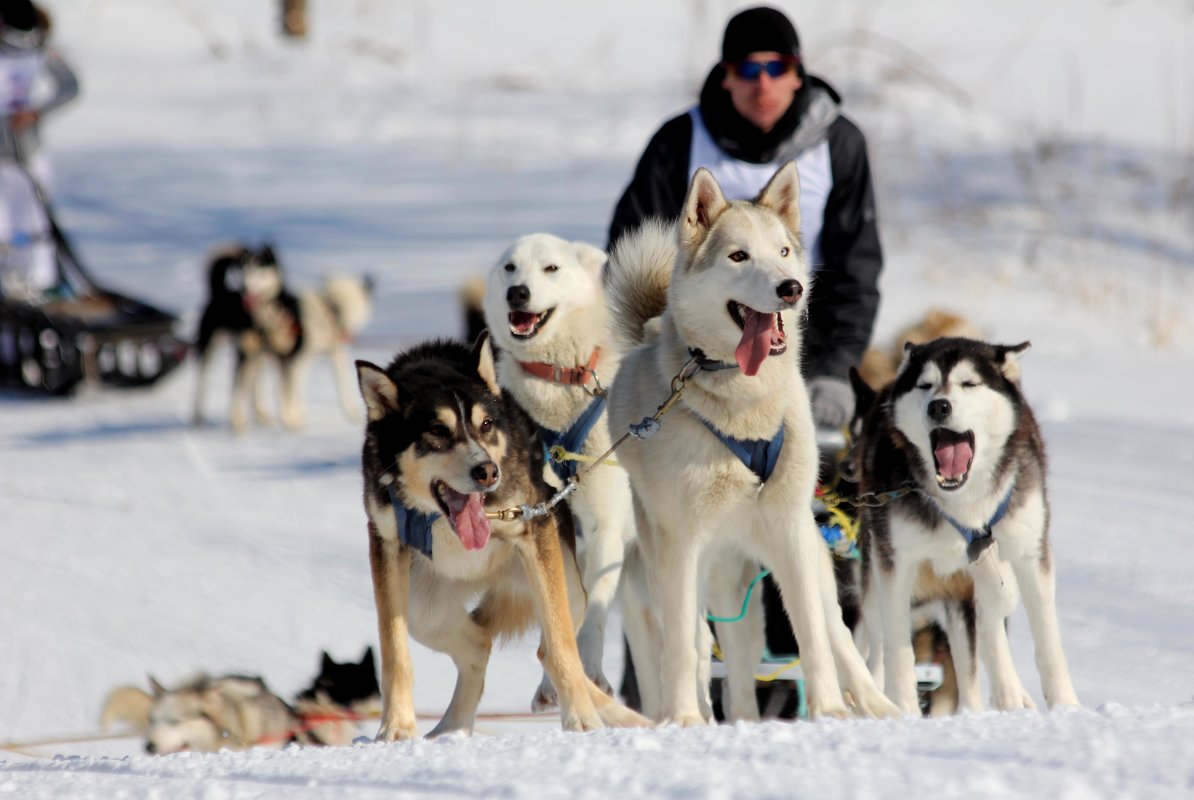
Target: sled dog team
{"points": [[489, 512], [634, 428]]}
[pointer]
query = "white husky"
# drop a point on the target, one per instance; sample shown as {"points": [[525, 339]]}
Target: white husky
{"points": [[724, 292], [545, 310]]}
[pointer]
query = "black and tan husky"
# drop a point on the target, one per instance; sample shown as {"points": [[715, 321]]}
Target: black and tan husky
{"points": [[443, 446]]}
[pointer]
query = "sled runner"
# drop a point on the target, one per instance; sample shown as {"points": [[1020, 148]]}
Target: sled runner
{"points": [[59, 329]]}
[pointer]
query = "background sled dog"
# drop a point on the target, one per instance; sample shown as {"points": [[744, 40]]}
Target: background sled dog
{"points": [[441, 446], [249, 300], [233, 712], [349, 685], [956, 428], [545, 311], [724, 292], [226, 314]]}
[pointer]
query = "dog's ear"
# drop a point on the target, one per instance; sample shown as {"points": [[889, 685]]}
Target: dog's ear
{"points": [[591, 258], [864, 395], [486, 365], [378, 390], [1008, 358], [326, 664], [155, 687], [703, 205], [367, 658], [782, 195]]}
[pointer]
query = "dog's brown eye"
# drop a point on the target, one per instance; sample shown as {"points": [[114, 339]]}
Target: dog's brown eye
{"points": [[551, 268], [783, 251], [439, 431], [738, 256], [487, 426], [509, 267]]}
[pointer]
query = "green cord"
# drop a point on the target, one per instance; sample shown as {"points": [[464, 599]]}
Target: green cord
{"points": [[745, 601]]}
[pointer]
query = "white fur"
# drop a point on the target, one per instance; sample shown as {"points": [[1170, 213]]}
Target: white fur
{"points": [[565, 277], [701, 510]]}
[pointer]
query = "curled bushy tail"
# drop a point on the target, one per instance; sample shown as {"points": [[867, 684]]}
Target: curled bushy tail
{"points": [[637, 277]]}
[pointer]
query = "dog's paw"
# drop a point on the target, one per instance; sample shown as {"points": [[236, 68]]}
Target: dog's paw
{"points": [[581, 722], [1012, 699], [873, 703], [686, 721], [545, 698], [619, 716], [396, 732]]}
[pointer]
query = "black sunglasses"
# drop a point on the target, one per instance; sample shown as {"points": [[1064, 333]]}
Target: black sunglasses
{"points": [[751, 70]]}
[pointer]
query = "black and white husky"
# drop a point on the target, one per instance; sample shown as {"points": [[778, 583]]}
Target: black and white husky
{"points": [[956, 444], [250, 303]]}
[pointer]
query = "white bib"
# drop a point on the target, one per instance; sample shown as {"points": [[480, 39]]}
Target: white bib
{"points": [[740, 180]]}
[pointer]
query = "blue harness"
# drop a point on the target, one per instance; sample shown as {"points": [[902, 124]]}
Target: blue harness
{"points": [[573, 439], [759, 455], [414, 527], [979, 539]]}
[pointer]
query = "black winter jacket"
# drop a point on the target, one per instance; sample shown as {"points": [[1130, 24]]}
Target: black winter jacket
{"points": [[845, 293]]}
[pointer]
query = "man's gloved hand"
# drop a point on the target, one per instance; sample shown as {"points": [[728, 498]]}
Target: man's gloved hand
{"points": [[832, 401]]}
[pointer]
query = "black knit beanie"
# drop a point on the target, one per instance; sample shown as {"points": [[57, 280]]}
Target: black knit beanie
{"points": [[18, 14], [756, 30]]}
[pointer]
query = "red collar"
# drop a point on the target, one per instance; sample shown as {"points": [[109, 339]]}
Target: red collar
{"points": [[568, 376]]}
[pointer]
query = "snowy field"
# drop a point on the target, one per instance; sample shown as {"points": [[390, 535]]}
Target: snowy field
{"points": [[1035, 172]]}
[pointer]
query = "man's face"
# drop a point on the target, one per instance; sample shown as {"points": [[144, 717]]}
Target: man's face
{"points": [[765, 98]]}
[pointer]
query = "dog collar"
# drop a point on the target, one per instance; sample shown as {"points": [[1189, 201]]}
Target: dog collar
{"points": [[979, 539], [414, 527], [759, 455], [707, 364], [573, 439], [568, 376]]}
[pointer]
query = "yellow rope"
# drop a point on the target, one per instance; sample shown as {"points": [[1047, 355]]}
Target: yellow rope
{"points": [[559, 454]]}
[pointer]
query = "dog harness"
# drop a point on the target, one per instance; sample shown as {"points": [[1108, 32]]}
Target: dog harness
{"points": [[573, 439], [759, 455], [414, 527], [979, 539]]}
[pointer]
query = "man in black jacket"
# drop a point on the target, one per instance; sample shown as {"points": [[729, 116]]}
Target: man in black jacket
{"points": [[759, 109]]}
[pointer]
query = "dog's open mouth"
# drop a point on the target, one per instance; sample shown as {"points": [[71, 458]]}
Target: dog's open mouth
{"points": [[762, 335], [525, 324], [953, 453], [465, 512]]}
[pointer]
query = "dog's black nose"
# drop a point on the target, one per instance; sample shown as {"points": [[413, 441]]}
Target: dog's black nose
{"points": [[485, 473], [940, 409], [517, 296], [149, 748], [789, 291]]}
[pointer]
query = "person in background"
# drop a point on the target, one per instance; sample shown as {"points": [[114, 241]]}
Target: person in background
{"points": [[34, 81], [758, 109]]}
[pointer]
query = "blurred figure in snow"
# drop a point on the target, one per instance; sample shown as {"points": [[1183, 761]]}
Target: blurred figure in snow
{"points": [[34, 81], [758, 109]]}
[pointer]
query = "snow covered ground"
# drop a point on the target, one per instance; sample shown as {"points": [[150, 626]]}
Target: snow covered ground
{"points": [[1035, 172]]}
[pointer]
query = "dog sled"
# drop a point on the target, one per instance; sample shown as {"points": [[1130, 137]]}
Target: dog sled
{"points": [[59, 329]]}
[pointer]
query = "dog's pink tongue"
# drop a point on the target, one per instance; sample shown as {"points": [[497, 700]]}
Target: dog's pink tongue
{"points": [[953, 459], [468, 519], [755, 346]]}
